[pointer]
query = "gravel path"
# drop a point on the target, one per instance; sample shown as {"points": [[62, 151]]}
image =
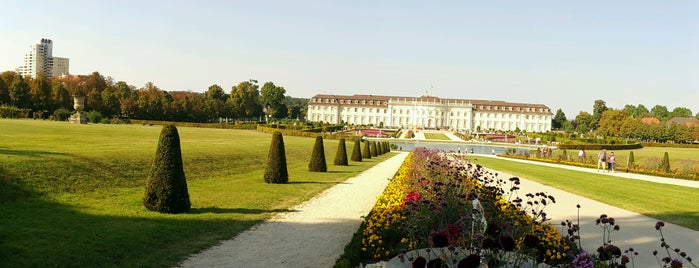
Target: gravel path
{"points": [[313, 235]]}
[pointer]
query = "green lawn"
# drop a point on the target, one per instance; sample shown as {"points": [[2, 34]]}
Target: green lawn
{"points": [[71, 195], [436, 136], [683, 159], [670, 203]]}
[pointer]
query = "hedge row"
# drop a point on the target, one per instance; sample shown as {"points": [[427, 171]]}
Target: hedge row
{"points": [[301, 133], [601, 146], [236, 125], [671, 145]]}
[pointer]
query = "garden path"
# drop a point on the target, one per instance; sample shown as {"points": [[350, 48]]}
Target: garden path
{"points": [[314, 234], [636, 230]]}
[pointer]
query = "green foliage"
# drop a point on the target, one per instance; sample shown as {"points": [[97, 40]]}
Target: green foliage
{"points": [[166, 187], [341, 155], [276, 171], [366, 151], [372, 149], [356, 151], [94, 116], [665, 164], [317, 162], [601, 146], [558, 119], [60, 114], [632, 159], [379, 148]]}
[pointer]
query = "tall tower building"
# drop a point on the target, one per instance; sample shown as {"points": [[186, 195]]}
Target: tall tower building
{"points": [[40, 59]]}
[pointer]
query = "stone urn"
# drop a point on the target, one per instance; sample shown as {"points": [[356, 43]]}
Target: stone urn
{"points": [[79, 105]]}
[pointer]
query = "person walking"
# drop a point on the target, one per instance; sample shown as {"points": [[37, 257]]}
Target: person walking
{"points": [[610, 162], [602, 160]]}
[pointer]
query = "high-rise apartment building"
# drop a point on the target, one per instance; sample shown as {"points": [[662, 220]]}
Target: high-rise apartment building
{"points": [[40, 59]]}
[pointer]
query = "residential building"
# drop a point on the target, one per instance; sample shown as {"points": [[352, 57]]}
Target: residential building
{"points": [[429, 112], [40, 59]]}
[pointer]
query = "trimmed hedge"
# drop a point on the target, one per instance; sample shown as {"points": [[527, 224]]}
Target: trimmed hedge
{"points": [[236, 125], [341, 155], [357, 151], [317, 162], [670, 145], [166, 186], [366, 151], [601, 146], [276, 171], [302, 133]]}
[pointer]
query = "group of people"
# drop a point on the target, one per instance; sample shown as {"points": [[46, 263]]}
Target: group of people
{"points": [[606, 162]]}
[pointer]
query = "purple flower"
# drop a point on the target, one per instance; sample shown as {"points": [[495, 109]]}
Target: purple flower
{"points": [[584, 260], [659, 225]]}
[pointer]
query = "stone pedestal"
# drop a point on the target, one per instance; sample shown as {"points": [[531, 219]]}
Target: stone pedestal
{"points": [[79, 104]]}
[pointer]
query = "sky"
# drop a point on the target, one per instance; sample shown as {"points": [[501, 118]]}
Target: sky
{"points": [[563, 54]]}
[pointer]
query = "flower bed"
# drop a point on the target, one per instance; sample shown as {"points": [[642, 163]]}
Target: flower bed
{"points": [[438, 203]]}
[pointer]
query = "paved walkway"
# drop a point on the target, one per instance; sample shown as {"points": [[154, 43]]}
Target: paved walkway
{"points": [[313, 235], [636, 231]]}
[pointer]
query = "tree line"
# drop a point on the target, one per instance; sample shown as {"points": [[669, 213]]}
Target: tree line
{"points": [[44, 97], [632, 121]]}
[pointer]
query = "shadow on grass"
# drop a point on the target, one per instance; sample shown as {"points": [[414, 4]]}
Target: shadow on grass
{"points": [[313, 182], [31, 153], [218, 210], [338, 171]]}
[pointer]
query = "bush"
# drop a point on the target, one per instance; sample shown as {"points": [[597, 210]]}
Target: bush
{"points": [[61, 114], [366, 152], [357, 151], [616, 147], [276, 171], [317, 163], [341, 155], [166, 187], [372, 149], [379, 148], [94, 116], [632, 160], [665, 164]]}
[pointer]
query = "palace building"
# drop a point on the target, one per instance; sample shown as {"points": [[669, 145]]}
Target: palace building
{"points": [[429, 112]]}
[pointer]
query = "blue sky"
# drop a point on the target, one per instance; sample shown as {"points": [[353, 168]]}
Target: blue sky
{"points": [[562, 54]]}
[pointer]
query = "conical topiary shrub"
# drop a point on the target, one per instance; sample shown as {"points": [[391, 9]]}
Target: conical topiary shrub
{"points": [[665, 164], [166, 186], [357, 151], [379, 149], [366, 152], [631, 159], [388, 147], [373, 149], [318, 157], [276, 171], [341, 155]]}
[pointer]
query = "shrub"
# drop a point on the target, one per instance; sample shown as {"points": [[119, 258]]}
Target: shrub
{"points": [[357, 151], [631, 159], [276, 171], [665, 164], [372, 149], [379, 148], [94, 116], [341, 155], [366, 152], [317, 163], [166, 187], [61, 114]]}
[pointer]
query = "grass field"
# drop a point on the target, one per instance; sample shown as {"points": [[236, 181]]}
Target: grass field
{"points": [[683, 159], [71, 195], [670, 203], [436, 136]]}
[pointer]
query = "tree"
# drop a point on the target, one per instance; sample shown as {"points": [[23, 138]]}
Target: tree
{"points": [[60, 97], [680, 112], [366, 151], [665, 164], [612, 121], [215, 102], [245, 100], [276, 171], [166, 188], [641, 111], [40, 93], [598, 109], [272, 97], [341, 155], [583, 122], [19, 93], [558, 119], [356, 152], [660, 112], [317, 163]]}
